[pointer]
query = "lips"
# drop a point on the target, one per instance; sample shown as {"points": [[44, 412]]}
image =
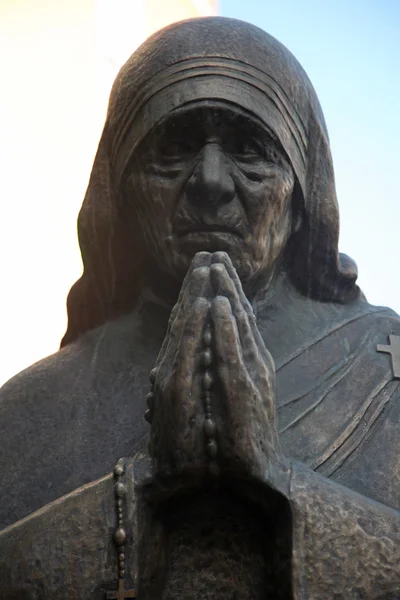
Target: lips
{"points": [[208, 229]]}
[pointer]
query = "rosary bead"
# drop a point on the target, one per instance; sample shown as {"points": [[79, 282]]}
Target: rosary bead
{"points": [[153, 374], [207, 337], [147, 416], [118, 470], [150, 400], [207, 403], [119, 536], [212, 448], [120, 490], [208, 380], [209, 428], [207, 357]]}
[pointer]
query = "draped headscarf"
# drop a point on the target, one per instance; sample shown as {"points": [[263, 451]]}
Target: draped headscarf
{"points": [[213, 58]]}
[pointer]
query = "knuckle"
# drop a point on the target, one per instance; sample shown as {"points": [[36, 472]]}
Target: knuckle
{"points": [[218, 268], [200, 273], [221, 303], [202, 258], [201, 305], [220, 256], [203, 255]]}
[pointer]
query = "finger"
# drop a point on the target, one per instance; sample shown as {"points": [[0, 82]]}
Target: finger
{"points": [[191, 341], [182, 359], [228, 357], [201, 259], [177, 417], [224, 286], [186, 398], [226, 335], [224, 258], [231, 368], [199, 286], [197, 283]]}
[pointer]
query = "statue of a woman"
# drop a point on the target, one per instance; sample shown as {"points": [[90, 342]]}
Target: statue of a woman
{"points": [[266, 461]]}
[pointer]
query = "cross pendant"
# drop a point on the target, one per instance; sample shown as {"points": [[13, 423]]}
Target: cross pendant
{"points": [[394, 350], [121, 593]]}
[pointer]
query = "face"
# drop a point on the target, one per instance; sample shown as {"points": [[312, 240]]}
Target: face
{"points": [[212, 178]]}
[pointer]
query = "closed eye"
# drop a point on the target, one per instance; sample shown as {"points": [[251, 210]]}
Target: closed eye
{"points": [[176, 148], [237, 146]]}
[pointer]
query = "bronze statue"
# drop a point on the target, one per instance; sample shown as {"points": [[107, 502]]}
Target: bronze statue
{"points": [[265, 461]]}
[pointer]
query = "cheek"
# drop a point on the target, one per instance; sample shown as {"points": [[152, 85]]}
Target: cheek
{"points": [[155, 203], [271, 207]]}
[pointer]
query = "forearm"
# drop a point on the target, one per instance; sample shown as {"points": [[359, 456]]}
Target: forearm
{"points": [[342, 541]]}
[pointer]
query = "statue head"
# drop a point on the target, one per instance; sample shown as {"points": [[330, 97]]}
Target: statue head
{"points": [[214, 140], [212, 177]]}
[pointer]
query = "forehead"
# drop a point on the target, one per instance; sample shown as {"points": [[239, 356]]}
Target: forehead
{"points": [[212, 117]]}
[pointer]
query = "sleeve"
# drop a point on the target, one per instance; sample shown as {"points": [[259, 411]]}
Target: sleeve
{"points": [[344, 544], [66, 549]]}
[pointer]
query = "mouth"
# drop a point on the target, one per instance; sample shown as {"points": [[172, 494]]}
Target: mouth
{"points": [[209, 229]]}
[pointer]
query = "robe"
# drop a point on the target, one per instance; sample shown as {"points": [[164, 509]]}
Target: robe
{"points": [[67, 420]]}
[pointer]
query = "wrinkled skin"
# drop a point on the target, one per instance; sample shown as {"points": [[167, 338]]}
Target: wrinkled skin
{"points": [[213, 178], [243, 399]]}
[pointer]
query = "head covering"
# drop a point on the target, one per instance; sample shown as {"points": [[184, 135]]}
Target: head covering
{"points": [[213, 58]]}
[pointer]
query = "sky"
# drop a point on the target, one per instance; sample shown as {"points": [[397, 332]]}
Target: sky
{"points": [[350, 49]]}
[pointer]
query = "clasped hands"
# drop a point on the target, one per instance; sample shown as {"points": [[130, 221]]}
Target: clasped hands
{"points": [[212, 329]]}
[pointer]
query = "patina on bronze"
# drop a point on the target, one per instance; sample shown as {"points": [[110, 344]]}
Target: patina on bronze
{"points": [[263, 455]]}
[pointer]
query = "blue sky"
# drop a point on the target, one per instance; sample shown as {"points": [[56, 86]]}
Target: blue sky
{"points": [[351, 52]]}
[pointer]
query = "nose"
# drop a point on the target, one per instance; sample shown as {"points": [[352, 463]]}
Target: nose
{"points": [[211, 182]]}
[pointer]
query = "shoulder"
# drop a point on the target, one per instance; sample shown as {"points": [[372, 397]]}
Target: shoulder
{"points": [[65, 420], [39, 412], [73, 367], [380, 321], [363, 316]]}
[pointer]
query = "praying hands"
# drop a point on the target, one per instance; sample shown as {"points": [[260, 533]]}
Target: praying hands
{"points": [[212, 406]]}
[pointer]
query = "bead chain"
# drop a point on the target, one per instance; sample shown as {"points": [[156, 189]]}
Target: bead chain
{"points": [[209, 427], [150, 397], [120, 534], [119, 537]]}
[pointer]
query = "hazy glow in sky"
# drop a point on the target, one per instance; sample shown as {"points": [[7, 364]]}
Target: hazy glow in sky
{"points": [[351, 52], [58, 60]]}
